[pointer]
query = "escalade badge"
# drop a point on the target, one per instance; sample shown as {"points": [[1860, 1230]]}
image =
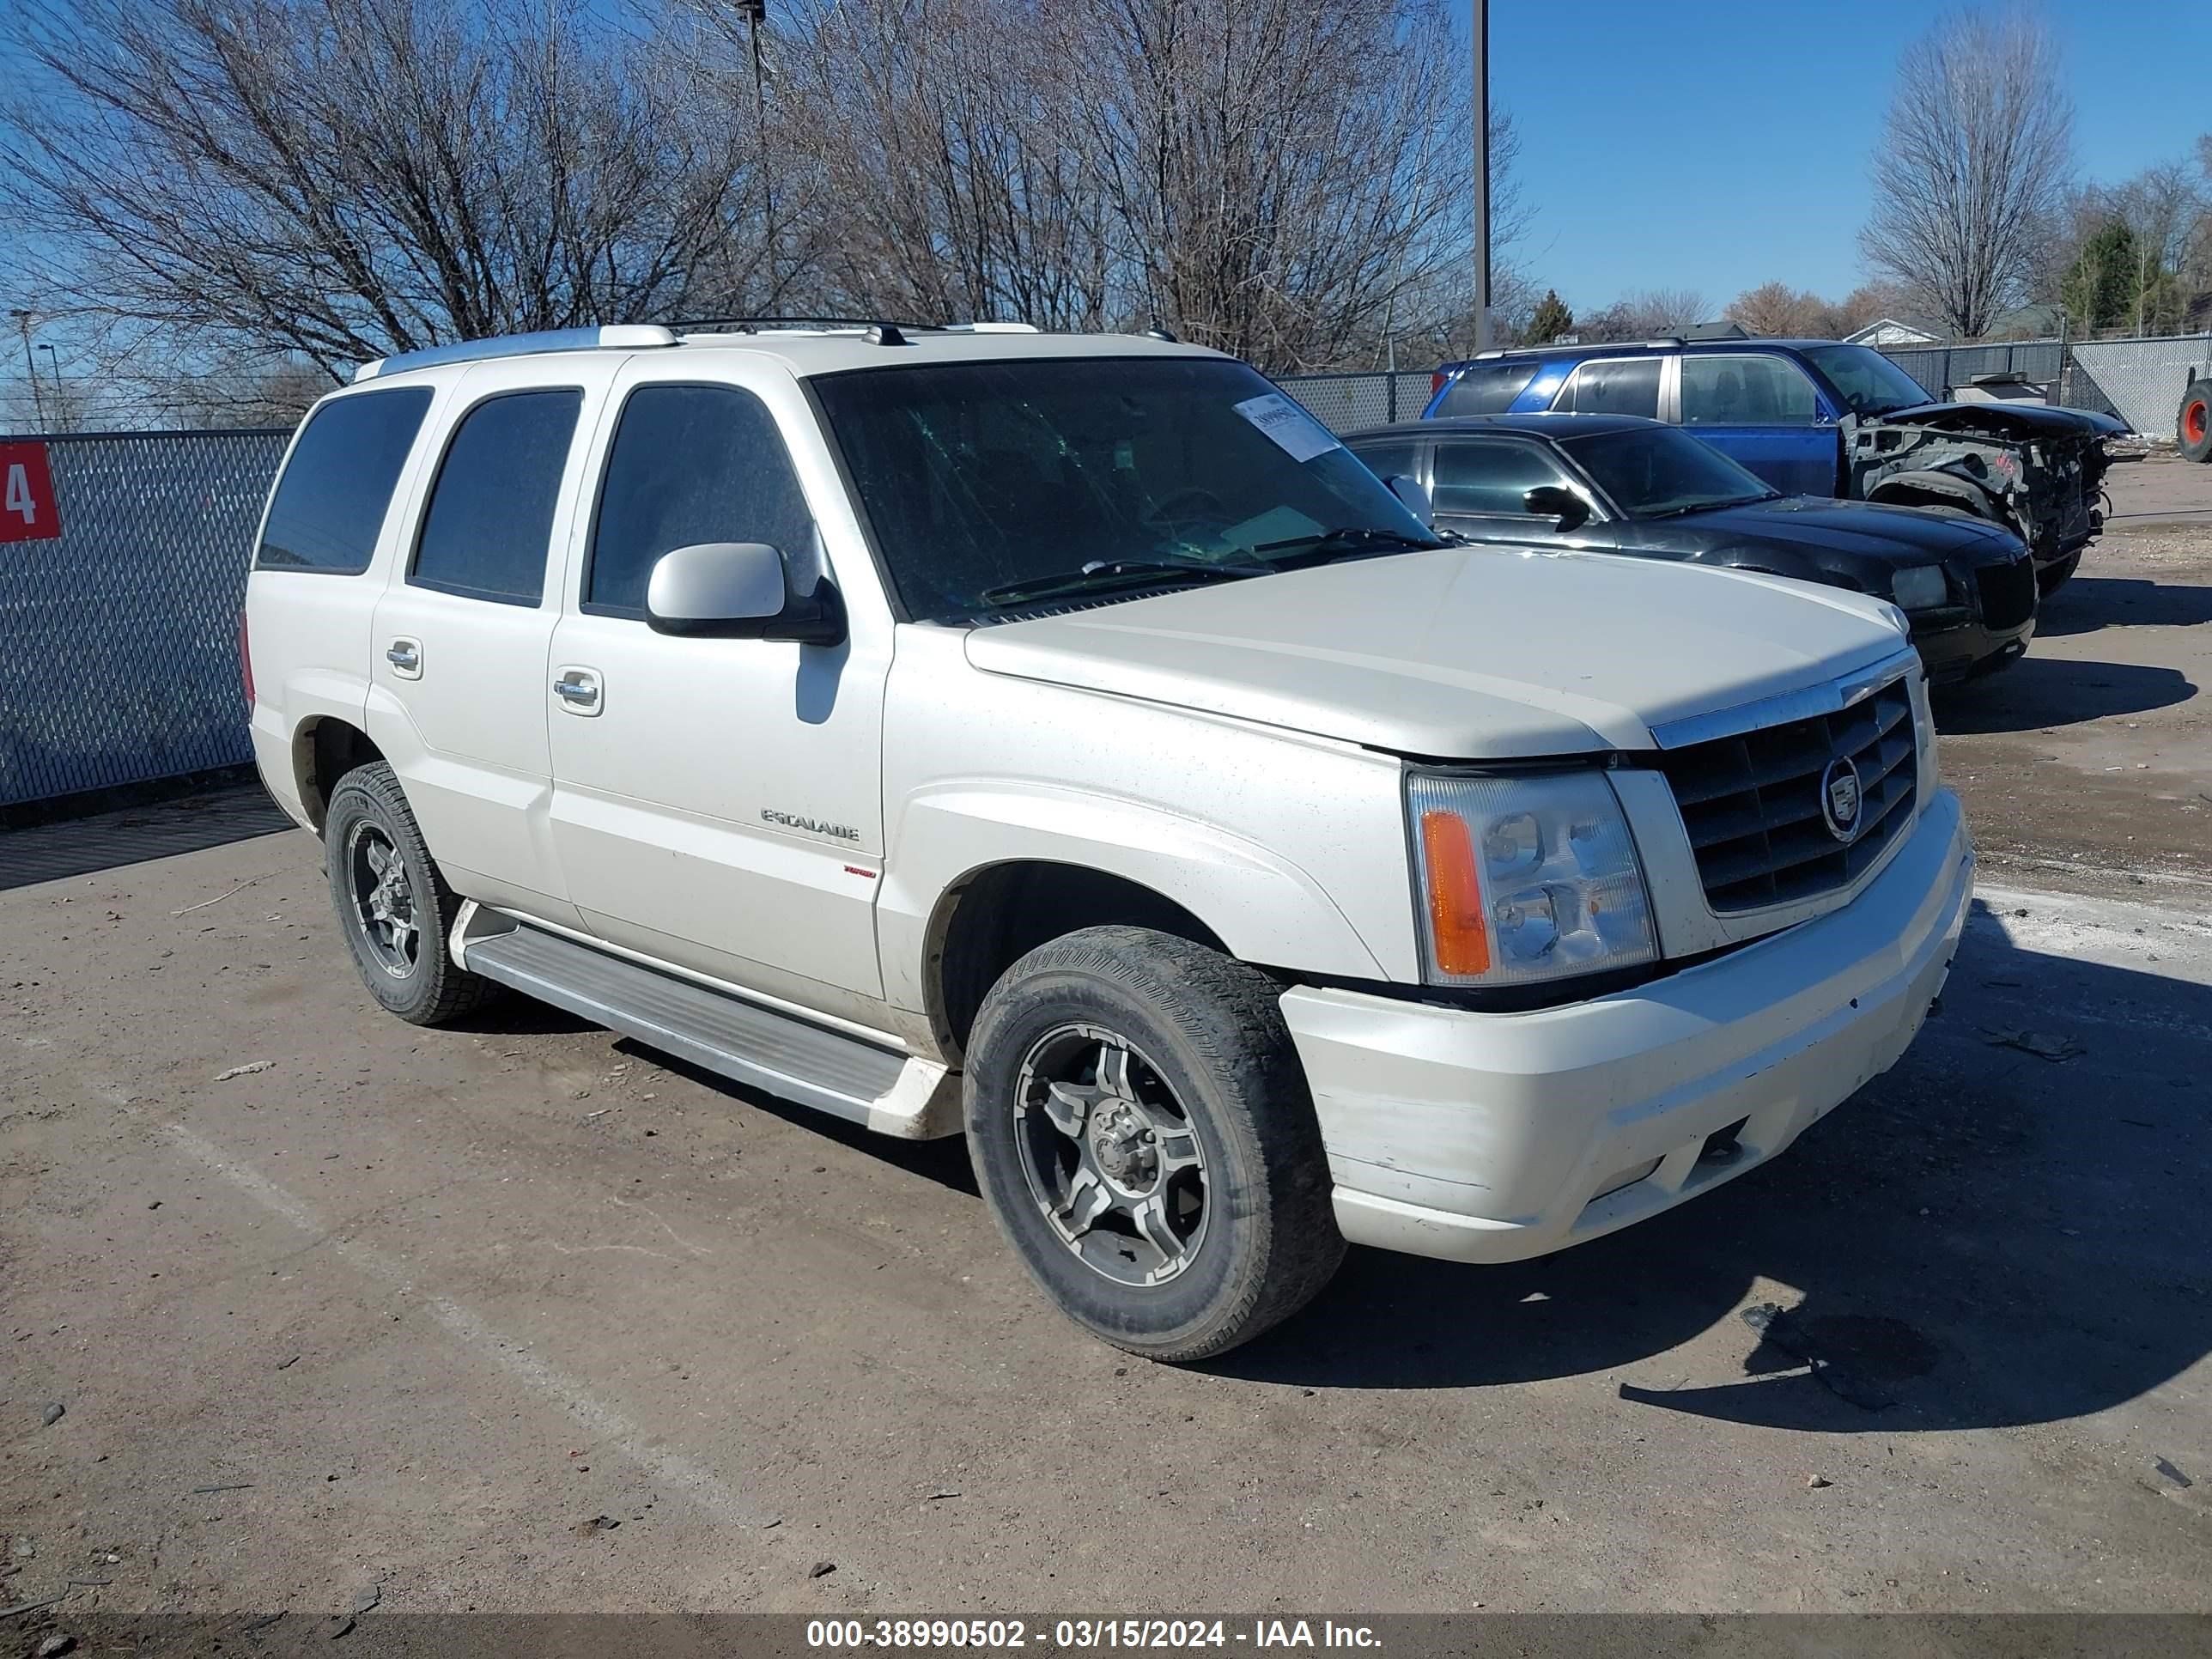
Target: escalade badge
{"points": [[813, 826], [1839, 798]]}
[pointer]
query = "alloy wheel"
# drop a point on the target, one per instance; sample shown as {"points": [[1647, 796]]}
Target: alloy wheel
{"points": [[1109, 1155]]}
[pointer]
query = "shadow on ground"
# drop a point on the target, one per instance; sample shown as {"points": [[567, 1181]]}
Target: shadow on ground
{"points": [[84, 847], [2088, 603], [1981, 1238], [2038, 692]]}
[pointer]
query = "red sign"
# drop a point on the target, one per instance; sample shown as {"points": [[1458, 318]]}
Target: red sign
{"points": [[28, 510]]}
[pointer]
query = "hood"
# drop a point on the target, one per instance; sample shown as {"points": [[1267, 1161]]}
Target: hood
{"points": [[1890, 536], [1463, 653], [2008, 420]]}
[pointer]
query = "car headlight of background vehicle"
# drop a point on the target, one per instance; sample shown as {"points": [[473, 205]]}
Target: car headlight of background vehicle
{"points": [[1920, 588], [1525, 878]]}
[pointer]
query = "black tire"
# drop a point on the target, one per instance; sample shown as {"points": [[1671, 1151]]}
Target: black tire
{"points": [[2192, 423], [2052, 577], [416, 977], [1209, 1032]]}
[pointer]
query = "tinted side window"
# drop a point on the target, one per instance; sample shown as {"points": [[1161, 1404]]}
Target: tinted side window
{"points": [[1630, 387], [692, 464], [1389, 460], [490, 518], [1486, 388], [1745, 392], [337, 487], [1490, 478]]}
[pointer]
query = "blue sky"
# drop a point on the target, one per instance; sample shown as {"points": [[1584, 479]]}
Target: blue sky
{"points": [[1715, 146]]}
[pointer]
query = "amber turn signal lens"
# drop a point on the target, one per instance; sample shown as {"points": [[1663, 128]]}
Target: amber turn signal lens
{"points": [[1455, 929]]}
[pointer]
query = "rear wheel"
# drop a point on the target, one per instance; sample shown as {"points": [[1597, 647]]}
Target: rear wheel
{"points": [[1142, 1131], [2192, 427], [393, 907]]}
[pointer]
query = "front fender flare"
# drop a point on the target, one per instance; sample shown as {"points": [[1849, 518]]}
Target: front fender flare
{"points": [[1262, 907]]}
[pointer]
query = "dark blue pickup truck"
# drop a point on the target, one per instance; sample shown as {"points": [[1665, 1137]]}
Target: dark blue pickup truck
{"points": [[1818, 417]]}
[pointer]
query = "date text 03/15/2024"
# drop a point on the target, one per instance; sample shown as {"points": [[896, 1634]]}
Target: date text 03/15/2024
{"points": [[1008, 1635]]}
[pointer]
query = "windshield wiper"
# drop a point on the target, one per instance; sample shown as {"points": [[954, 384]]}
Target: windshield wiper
{"points": [[1710, 506], [1324, 545], [1110, 573]]}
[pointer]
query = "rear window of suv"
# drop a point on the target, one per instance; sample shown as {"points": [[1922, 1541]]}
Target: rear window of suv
{"points": [[1486, 388], [330, 504], [489, 522]]}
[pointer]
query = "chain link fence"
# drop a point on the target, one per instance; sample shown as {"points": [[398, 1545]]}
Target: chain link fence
{"points": [[2139, 380], [1352, 403], [1944, 370], [121, 636]]}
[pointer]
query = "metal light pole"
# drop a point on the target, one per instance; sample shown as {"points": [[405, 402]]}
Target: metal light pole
{"points": [[31, 365], [1481, 21], [61, 403]]}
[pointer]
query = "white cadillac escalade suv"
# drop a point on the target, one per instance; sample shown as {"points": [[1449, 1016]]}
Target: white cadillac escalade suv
{"points": [[1062, 739]]}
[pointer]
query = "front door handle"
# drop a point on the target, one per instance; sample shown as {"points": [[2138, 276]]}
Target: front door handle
{"points": [[405, 657], [578, 690]]}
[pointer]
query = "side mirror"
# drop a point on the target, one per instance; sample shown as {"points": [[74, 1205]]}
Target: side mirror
{"points": [[1559, 502], [739, 591], [1413, 494]]}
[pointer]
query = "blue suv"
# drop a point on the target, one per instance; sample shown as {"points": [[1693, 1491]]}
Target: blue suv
{"points": [[1818, 417]]}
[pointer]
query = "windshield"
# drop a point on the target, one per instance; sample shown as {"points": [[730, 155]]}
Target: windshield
{"points": [[983, 481], [1657, 473], [1867, 380]]}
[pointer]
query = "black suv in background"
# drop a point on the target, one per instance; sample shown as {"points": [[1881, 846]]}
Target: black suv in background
{"points": [[1819, 417]]}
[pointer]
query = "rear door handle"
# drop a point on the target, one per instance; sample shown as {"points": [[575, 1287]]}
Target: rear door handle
{"points": [[405, 657], [578, 690]]}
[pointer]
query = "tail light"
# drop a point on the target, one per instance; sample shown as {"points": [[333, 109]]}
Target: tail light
{"points": [[244, 659], [1436, 382]]}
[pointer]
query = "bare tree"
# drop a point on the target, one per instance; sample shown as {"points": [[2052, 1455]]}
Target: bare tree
{"points": [[1969, 169], [1870, 303], [1648, 313], [1770, 308], [1777, 310], [1281, 176], [341, 179], [932, 143]]}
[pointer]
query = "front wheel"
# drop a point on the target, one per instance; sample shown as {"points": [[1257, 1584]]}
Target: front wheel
{"points": [[2052, 577], [1142, 1133]]}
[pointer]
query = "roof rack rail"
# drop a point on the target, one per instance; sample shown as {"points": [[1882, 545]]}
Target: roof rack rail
{"points": [[761, 324], [617, 336]]}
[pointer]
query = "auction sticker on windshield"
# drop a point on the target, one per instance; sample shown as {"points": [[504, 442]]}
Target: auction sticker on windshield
{"points": [[1299, 435]]}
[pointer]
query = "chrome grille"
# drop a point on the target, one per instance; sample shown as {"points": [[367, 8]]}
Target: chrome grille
{"points": [[2008, 593], [1754, 803]]}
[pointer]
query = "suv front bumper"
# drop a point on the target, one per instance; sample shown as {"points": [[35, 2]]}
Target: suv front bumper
{"points": [[1496, 1137]]}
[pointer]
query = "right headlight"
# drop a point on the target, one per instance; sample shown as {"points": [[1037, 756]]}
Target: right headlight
{"points": [[1525, 878]]}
